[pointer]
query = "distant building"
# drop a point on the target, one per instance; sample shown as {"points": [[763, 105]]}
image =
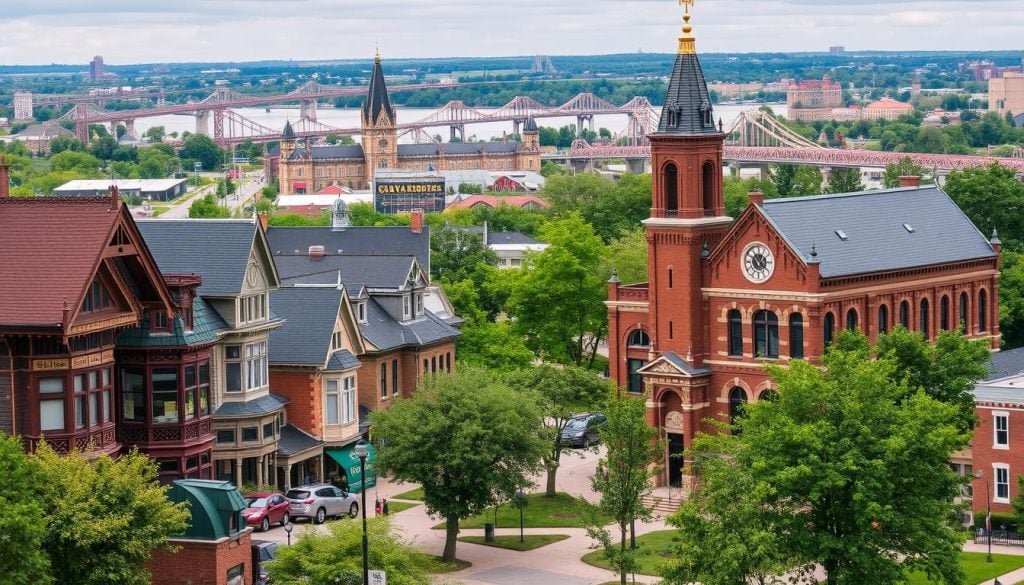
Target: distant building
{"points": [[1006, 94], [511, 247], [940, 117], [837, 50], [735, 89], [998, 444], [23, 106], [96, 70], [813, 99], [37, 137], [886, 109], [527, 202], [153, 189]]}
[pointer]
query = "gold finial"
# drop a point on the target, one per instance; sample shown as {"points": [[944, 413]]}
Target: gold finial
{"points": [[686, 40], [376, 57]]}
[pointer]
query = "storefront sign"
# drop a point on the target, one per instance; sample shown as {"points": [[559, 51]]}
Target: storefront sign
{"points": [[104, 324], [45, 364], [404, 196], [75, 363]]}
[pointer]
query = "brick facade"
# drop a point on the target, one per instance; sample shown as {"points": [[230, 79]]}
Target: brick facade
{"points": [[201, 562], [988, 456], [305, 398], [411, 364]]}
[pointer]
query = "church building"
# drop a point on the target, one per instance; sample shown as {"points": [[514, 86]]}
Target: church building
{"points": [[726, 296], [307, 168]]}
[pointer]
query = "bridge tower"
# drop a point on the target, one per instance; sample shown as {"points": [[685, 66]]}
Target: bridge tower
{"points": [[379, 136]]}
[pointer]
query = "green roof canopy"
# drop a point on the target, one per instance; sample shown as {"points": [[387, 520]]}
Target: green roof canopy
{"points": [[349, 463], [216, 507]]}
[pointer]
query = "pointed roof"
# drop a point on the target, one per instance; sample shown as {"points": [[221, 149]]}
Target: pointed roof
{"points": [[530, 125], [687, 109], [288, 133], [377, 97]]}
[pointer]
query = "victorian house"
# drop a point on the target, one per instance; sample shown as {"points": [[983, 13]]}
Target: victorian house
{"points": [[237, 274], [725, 296]]}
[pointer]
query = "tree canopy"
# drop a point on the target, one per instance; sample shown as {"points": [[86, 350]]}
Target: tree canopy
{"points": [[22, 558]]}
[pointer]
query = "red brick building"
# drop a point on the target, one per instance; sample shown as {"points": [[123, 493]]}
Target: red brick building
{"points": [[997, 449], [724, 297]]}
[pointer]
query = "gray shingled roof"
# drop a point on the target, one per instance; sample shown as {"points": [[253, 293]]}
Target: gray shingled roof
{"points": [[457, 148], [216, 249], [372, 271], [305, 337], [509, 238], [295, 440], [343, 360], [876, 240], [1003, 392], [268, 404], [356, 241], [330, 152], [206, 324], [1006, 363], [687, 93], [680, 363], [386, 333]]}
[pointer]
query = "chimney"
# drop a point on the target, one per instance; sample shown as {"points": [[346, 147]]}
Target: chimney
{"points": [[115, 198], [504, 136], [910, 181], [5, 178], [756, 198], [264, 219], [416, 221], [316, 252]]}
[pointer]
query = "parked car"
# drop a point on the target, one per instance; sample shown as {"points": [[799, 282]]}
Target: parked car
{"points": [[319, 501], [583, 430], [265, 508], [262, 551]]}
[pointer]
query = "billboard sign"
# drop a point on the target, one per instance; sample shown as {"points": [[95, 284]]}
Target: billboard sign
{"points": [[404, 195]]}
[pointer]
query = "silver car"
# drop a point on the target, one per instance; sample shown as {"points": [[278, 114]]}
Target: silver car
{"points": [[319, 501]]}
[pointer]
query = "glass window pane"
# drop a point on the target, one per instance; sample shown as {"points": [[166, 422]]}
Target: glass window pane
{"points": [[234, 377], [165, 395], [251, 434], [204, 400], [106, 406], [79, 411], [94, 409], [79, 382], [204, 373], [51, 415], [332, 409], [190, 376], [51, 385], [190, 404], [268, 431], [94, 380], [106, 376], [133, 394]]}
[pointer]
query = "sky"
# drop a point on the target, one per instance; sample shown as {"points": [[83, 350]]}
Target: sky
{"points": [[145, 31]]}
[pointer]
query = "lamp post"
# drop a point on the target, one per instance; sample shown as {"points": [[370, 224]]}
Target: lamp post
{"points": [[988, 513], [362, 450], [288, 527], [521, 499]]}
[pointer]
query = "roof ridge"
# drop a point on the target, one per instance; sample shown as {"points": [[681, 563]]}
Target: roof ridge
{"points": [[850, 194]]}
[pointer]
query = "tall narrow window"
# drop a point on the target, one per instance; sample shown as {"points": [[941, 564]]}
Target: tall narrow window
{"points": [[982, 311], [905, 314], [737, 400], [636, 383], [963, 313], [670, 278], [924, 318], [708, 188], [394, 376], [671, 179], [332, 404], [944, 313], [829, 328], [735, 333], [1002, 483], [766, 334], [796, 336], [639, 338], [883, 319], [1001, 430], [384, 380], [851, 319]]}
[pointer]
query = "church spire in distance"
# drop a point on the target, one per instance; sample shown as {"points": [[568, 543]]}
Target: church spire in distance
{"points": [[377, 98], [687, 109]]}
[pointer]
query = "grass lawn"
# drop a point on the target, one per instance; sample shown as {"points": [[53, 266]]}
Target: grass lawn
{"points": [[511, 542], [443, 567], [976, 569], [396, 507], [655, 549], [559, 511], [416, 494]]}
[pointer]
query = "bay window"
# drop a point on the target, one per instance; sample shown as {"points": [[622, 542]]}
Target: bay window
{"points": [[348, 402], [51, 404], [332, 402]]}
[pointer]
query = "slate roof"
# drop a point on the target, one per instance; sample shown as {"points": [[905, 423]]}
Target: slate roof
{"points": [[1006, 363], [295, 440], [217, 249], [384, 332], [305, 337], [680, 363], [372, 271], [876, 240], [530, 125], [343, 360], [264, 405], [377, 96], [450, 148], [206, 326], [49, 247], [288, 132], [361, 241], [509, 238], [687, 93], [329, 152], [44, 132]]}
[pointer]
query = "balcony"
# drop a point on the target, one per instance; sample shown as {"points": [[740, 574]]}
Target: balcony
{"points": [[97, 440], [148, 434]]}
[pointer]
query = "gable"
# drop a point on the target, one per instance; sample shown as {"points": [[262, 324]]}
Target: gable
{"points": [[347, 324], [751, 233]]}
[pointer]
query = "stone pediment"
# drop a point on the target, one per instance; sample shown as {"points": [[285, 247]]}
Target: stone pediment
{"points": [[671, 364]]}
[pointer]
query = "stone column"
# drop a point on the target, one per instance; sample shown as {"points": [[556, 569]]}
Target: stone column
{"points": [[260, 462], [288, 476], [238, 472]]}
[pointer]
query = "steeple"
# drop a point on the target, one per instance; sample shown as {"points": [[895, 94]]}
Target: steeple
{"points": [[288, 133], [377, 99], [687, 108]]}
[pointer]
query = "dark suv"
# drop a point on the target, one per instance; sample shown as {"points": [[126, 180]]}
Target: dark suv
{"points": [[583, 430]]}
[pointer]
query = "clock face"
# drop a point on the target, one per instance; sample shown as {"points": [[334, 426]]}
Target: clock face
{"points": [[383, 143], [758, 263]]}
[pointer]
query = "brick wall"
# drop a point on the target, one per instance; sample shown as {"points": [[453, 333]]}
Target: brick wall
{"points": [[985, 455], [6, 391], [410, 369], [305, 399], [198, 562]]}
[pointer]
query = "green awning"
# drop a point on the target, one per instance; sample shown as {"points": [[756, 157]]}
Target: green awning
{"points": [[349, 463]]}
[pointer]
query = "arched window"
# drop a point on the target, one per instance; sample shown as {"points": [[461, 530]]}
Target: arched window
{"points": [[982, 310], [796, 336], [944, 313], [830, 328], [963, 313], [737, 400], [766, 334], [735, 333], [671, 179], [639, 338], [905, 314], [708, 188], [883, 319], [924, 318], [768, 395], [851, 319]]}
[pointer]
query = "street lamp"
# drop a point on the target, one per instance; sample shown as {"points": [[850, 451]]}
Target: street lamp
{"points": [[362, 450], [288, 527], [521, 499], [988, 517]]}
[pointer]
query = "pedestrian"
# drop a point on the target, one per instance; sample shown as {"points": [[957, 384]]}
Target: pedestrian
{"points": [[385, 506], [378, 508]]}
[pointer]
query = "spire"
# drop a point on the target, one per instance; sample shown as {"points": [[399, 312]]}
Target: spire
{"points": [[530, 125], [288, 133], [687, 109], [377, 99]]}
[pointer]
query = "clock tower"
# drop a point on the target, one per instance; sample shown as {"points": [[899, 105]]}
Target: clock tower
{"points": [[378, 133]]}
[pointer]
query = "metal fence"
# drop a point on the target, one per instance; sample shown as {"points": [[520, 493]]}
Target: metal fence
{"points": [[1001, 537]]}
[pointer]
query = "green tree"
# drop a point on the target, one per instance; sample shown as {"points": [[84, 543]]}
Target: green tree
{"points": [[992, 197], [103, 147], [930, 139], [467, 438], [22, 558], [561, 394], [494, 345], [905, 168], [627, 256], [844, 180], [1011, 299], [207, 207], [840, 449], [336, 558], [203, 149], [71, 160], [795, 180], [611, 208], [563, 280], [65, 142], [455, 253], [154, 134], [623, 478], [550, 168], [470, 188], [103, 516]]}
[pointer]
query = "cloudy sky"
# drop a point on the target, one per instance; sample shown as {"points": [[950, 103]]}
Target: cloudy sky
{"points": [[133, 31]]}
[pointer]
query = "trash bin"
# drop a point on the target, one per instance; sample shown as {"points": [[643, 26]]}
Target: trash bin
{"points": [[488, 532]]}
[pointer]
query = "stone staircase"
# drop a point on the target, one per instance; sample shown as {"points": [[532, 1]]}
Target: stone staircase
{"points": [[665, 501]]}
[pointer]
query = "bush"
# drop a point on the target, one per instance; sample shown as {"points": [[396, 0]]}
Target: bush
{"points": [[999, 519]]}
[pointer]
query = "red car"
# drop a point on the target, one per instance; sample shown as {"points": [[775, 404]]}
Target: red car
{"points": [[264, 508]]}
